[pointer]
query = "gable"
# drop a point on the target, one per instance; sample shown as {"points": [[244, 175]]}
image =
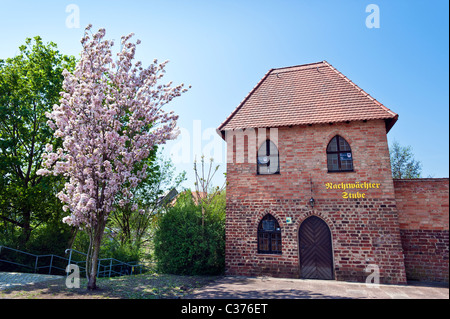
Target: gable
{"points": [[307, 94]]}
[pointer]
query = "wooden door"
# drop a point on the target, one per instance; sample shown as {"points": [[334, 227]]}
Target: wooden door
{"points": [[316, 256]]}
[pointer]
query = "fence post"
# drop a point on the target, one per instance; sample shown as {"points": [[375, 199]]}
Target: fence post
{"points": [[70, 259], [50, 268], [36, 263], [110, 266]]}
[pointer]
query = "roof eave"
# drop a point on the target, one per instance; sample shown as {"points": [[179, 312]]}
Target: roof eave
{"points": [[390, 122]]}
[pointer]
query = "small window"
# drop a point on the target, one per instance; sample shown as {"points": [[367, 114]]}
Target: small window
{"points": [[268, 159], [269, 236], [339, 155]]}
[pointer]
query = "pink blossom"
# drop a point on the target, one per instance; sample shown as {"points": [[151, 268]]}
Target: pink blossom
{"points": [[43, 171], [100, 148]]}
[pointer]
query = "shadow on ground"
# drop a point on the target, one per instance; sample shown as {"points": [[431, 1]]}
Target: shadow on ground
{"points": [[151, 286], [243, 288]]}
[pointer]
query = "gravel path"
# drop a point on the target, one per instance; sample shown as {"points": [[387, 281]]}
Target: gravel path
{"points": [[11, 279]]}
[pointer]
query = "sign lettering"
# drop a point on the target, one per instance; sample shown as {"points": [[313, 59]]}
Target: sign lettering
{"points": [[350, 188]]}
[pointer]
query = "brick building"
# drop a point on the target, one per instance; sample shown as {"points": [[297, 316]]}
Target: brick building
{"points": [[310, 192]]}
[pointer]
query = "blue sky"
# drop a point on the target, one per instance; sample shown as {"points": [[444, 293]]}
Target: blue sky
{"points": [[223, 48]]}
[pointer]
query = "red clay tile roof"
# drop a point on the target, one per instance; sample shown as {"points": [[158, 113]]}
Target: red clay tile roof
{"points": [[306, 94]]}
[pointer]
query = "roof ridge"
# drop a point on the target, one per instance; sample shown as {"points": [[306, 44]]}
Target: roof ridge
{"points": [[306, 66]]}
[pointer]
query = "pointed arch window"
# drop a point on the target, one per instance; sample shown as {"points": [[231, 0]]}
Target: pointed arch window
{"points": [[339, 155], [268, 159], [269, 236]]}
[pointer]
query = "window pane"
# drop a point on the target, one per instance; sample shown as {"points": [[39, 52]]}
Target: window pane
{"points": [[346, 165], [268, 225], [263, 160], [273, 150], [264, 169], [332, 146], [268, 163], [273, 163], [276, 242], [333, 164], [262, 151], [269, 236], [263, 242], [340, 158], [343, 145]]}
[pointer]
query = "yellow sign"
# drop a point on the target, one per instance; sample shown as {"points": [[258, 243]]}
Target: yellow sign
{"points": [[350, 186]]}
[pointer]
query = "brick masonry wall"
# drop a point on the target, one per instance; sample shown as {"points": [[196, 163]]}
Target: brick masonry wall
{"points": [[423, 208], [364, 230]]}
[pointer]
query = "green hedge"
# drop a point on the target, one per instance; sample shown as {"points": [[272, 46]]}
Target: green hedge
{"points": [[184, 246]]}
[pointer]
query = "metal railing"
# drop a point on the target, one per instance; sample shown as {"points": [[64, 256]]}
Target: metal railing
{"points": [[22, 259], [107, 267]]}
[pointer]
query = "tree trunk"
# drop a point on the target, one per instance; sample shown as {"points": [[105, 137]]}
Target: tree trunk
{"points": [[92, 280], [73, 235], [26, 228]]}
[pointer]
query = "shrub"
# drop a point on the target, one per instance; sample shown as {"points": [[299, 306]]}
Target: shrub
{"points": [[51, 238], [124, 252], [186, 246]]}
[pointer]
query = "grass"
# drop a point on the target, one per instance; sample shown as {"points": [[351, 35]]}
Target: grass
{"points": [[145, 286]]}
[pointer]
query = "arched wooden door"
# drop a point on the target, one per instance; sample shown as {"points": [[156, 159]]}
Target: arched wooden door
{"points": [[316, 255]]}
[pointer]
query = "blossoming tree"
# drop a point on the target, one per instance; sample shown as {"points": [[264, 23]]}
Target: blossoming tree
{"points": [[109, 118]]}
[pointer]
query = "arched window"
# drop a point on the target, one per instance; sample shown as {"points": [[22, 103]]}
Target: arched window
{"points": [[269, 236], [268, 159], [339, 155]]}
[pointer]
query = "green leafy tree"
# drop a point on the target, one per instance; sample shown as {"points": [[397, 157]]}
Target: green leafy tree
{"points": [[131, 225], [29, 87], [403, 163], [206, 193]]}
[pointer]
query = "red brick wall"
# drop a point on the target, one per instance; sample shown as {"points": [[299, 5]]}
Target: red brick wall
{"points": [[364, 230], [423, 206]]}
